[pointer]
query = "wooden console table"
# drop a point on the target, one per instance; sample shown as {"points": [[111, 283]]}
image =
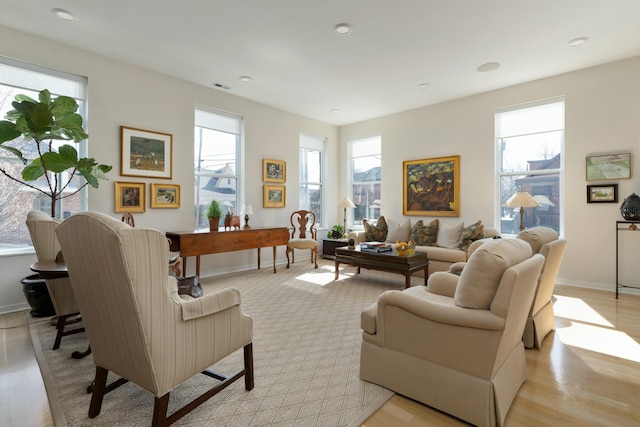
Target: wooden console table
{"points": [[196, 243]]}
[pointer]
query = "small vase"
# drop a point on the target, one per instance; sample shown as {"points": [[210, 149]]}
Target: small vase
{"points": [[630, 208]]}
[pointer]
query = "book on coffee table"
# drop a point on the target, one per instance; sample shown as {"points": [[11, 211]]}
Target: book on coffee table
{"points": [[375, 247]]}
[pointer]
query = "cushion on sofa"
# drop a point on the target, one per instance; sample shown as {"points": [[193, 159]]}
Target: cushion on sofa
{"points": [[376, 233], [449, 235], [470, 234], [425, 235], [481, 276], [538, 236], [398, 231]]}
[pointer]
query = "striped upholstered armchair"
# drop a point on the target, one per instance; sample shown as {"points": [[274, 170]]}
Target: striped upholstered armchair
{"points": [[137, 324]]}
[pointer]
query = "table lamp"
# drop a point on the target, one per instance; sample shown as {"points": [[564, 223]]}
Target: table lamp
{"points": [[521, 200], [248, 210], [346, 203]]}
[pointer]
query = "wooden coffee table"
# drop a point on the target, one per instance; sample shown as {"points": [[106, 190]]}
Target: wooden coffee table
{"points": [[384, 261]]}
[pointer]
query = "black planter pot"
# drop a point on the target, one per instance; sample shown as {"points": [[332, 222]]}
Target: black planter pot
{"points": [[37, 295]]}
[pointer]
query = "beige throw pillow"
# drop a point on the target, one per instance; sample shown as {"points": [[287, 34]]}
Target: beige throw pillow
{"points": [[449, 235], [481, 275], [398, 231]]}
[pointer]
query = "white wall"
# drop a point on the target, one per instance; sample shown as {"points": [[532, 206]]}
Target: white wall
{"points": [[602, 116], [121, 94]]}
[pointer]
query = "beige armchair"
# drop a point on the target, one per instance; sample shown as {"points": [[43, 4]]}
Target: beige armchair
{"points": [[42, 229], [456, 344], [137, 324], [541, 320]]}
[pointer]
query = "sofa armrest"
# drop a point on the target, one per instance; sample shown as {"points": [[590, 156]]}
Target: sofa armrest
{"points": [[457, 267], [439, 313], [357, 236]]}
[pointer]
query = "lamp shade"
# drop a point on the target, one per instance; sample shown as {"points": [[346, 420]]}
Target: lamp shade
{"points": [[521, 199], [346, 203], [248, 210]]}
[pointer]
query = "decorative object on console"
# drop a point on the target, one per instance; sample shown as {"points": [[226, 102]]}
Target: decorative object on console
{"points": [[214, 213], [630, 208], [248, 210], [602, 193], [129, 197], [145, 153], [521, 200], [431, 187], [344, 204]]}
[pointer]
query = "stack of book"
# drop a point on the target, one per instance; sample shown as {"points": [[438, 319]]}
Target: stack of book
{"points": [[375, 247]]}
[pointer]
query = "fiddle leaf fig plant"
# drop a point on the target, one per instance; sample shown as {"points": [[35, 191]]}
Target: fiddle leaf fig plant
{"points": [[42, 122]]}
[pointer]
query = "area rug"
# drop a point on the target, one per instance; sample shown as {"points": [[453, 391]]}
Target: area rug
{"points": [[307, 341]]}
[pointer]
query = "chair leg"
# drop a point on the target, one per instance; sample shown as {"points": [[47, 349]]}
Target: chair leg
{"points": [[160, 411], [314, 255], [288, 250], [248, 367], [99, 388], [60, 331]]}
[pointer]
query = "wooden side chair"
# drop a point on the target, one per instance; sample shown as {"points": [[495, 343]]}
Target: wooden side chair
{"points": [[303, 235]]}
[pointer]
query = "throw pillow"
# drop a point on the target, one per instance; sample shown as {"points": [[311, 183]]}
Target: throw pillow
{"points": [[189, 286], [425, 235], [483, 272], [470, 234], [376, 233], [449, 235], [398, 231]]}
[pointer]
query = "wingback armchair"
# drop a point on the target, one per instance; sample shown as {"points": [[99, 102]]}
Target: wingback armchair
{"points": [[42, 229], [456, 344], [541, 320], [138, 326]]}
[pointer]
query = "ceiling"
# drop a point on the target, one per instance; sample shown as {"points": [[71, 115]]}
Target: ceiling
{"points": [[298, 63]]}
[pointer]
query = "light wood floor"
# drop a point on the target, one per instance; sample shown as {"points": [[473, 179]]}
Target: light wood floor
{"points": [[587, 372]]}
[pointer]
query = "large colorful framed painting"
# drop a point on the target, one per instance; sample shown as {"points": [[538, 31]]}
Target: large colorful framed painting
{"points": [[431, 187]]}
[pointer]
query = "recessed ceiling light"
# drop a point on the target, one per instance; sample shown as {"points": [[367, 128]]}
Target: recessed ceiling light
{"points": [[63, 14], [577, 41], [245, 78], [489, 66], [343, 29], [424, 85]]}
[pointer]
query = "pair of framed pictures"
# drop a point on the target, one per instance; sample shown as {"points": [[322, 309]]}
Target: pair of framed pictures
{"points": [[130, 196], [274, 171]]}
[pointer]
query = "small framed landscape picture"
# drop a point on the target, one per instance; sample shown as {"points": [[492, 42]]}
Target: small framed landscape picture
{"points": [[609, 166], [165, 195], [602, 193], [274, 196], [129, 197], [274, 170], [145, 153]]}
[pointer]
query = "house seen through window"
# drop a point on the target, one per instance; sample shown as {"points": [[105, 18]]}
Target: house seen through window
{"points": [[366, 170], [311, 164]]}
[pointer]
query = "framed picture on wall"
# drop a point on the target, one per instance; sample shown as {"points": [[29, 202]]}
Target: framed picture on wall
{"points": [[431, 187], [275, 196], [129, 197], [274, 170], [145, 153], [602, 193], [609, 166], [165, 195]]}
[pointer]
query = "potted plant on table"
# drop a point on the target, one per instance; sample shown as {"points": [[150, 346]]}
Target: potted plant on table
{"points": [[214, 212]]}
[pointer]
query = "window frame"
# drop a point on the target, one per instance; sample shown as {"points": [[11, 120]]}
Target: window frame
{"points": [[351, 213], [315, 143]]}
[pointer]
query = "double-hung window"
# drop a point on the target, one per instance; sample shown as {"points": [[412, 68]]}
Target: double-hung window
{"points": [[366, 169], [16, 200], [529, 151], [311, 163], [217, 162]]}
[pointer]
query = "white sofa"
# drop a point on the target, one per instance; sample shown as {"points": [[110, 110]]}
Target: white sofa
{"points": [[444, 248]]}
